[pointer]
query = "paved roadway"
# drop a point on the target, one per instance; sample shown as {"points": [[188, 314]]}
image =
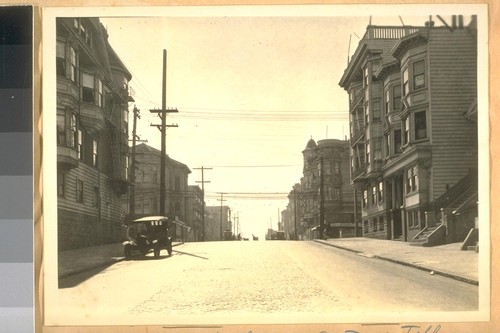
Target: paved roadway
{"points": [[283, 281]]}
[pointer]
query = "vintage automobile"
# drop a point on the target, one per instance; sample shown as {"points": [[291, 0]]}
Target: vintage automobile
{"points": [[149, 234]]}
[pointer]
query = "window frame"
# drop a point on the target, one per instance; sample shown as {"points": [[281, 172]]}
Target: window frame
{"points": [[88, 92], [416, 73], [405, 81], [420, 124]]}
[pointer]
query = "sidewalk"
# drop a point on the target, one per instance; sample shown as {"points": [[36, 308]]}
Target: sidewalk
{"points": [[80, 260], [447, 260]]}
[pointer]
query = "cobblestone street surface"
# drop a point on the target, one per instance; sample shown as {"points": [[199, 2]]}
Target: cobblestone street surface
{"points": [[243, 283], [253, 282]]}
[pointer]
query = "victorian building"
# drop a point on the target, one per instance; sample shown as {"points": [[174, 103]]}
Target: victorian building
{"points": [[413, 136], [92, 134], [147, 187], [323, 201]]}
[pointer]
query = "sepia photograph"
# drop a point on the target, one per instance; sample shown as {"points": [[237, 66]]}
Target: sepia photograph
{"points": [[222, 165]]}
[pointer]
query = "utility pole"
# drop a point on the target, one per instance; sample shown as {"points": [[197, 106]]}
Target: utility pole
{"points": [[163, 129], [221, 202], [203, 181], [135, 138]]}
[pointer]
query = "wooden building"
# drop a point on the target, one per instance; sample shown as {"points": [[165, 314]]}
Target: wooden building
{"points": [[413, 136], [92, 134]]}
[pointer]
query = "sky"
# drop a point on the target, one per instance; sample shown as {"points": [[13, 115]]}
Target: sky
{"points": [[251, 90]]}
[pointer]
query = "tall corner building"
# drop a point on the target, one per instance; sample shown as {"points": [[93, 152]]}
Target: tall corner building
{"points": [[92, 134]]}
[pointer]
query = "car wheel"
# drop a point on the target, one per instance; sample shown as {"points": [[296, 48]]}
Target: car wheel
{"points": [[127, 252]]}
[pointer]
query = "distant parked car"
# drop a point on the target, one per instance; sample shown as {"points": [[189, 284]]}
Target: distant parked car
{"points": [[280, 235]]}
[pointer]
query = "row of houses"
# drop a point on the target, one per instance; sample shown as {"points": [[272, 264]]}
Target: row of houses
{"points": [[93, 153], [409, 169]]}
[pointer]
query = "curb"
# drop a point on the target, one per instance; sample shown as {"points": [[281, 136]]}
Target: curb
{"points": [[105, 263], [404, 263]]}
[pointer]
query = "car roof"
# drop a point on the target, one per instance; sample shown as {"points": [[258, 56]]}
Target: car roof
{"points": [[150, 218]]}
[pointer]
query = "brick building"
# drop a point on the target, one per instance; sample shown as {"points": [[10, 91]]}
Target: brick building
{"points": [[324, 198]]}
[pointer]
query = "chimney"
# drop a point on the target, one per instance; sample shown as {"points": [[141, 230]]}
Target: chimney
{"points": [[454, 22], [460, 21]]}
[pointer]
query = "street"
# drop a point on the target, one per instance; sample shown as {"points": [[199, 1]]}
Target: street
{"points": [[256, 278]]}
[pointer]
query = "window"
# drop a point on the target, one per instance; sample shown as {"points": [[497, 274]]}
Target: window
{"points": [[365, 198], [374, 194], [406, 137], [418, 74], [94, 152], [412, 179], [79, 190], [387, 142], [83, 31], [73, 74], [406, 84], [95, 197], [80, 145], [177, 208], [397, 141], [396, 98], [420, 125], [60, 59], [61, 181], [367, 113], [387, 101], [100, 93], [381, 223], [413, 219], [367, 152], [336, 193], [380, 193], [365, 77], [125, 166], [376, 109], [365, 226], [88, 88], [61, 129], [74, 132], [336, 167]]}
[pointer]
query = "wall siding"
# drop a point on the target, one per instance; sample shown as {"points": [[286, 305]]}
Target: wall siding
{"points": [[453, 82]]}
